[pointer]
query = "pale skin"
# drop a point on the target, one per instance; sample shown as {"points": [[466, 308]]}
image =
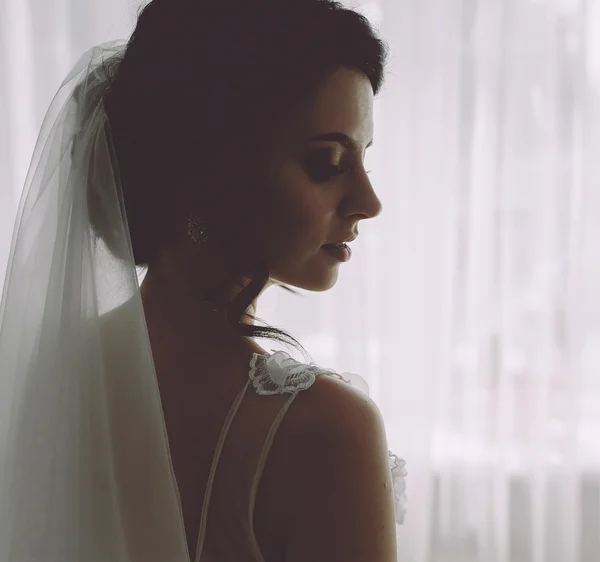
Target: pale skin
{"points": [[307, 213], [354, 521]]}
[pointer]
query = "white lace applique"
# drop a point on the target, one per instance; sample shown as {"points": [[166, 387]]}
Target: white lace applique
{"points": [[280, 373], [397, 466]]}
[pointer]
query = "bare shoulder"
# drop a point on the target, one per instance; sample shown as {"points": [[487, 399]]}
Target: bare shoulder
{"points": [[336, 482], [331, 399]]}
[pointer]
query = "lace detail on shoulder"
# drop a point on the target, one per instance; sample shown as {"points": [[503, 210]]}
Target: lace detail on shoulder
{"points": [[397, 466], [280, 373]]}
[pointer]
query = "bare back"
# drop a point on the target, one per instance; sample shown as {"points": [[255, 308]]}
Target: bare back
{"points": [[249, 451], [195, 419]]}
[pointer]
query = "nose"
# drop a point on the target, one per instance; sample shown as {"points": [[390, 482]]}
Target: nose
{"points": [[368, 204]]}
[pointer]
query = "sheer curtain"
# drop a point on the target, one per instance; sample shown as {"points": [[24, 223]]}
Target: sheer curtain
{"points": [[472, 304]]}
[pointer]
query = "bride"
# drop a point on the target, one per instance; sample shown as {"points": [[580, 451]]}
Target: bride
{"points": [[215, 154]]}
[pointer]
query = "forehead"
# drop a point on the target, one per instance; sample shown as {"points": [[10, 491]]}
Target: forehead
{"points": [[343, 103]]}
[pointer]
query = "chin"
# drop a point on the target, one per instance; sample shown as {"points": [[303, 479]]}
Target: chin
{"points": [[309, 280], [315, 273]]}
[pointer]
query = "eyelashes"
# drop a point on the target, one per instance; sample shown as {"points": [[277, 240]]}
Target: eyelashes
{"points": [[318, 166]]}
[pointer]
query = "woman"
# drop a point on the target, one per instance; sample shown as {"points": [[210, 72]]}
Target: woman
{"points": [[221, 150]]}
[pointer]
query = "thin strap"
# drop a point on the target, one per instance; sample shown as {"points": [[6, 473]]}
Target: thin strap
{"points": [[261, 464], [207, 494]]}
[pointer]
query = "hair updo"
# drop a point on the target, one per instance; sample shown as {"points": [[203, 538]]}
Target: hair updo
{"points": [[204, 79]]}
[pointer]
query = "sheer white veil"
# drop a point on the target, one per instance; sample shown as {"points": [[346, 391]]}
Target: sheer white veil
{"points": [[85, 468]]}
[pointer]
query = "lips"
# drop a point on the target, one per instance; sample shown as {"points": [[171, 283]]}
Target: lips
{"points": [[341, 242], [342, 252]]}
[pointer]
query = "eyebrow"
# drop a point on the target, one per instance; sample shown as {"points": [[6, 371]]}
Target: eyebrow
{"points": [[343, 139]]}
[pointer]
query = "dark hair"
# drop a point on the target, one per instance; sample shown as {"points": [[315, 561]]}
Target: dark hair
{"points": [[202, 77]]}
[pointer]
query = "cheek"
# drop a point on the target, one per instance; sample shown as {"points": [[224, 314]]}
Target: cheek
{"points": [[291, 229], [297, 214], [288, 230], [302, 219]]}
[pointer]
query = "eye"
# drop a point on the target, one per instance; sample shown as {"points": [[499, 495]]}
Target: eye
{"points": [[319, 168], [318, 165]]}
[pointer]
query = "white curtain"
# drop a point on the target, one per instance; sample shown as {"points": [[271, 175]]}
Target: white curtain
{"points": [[472, 303]]}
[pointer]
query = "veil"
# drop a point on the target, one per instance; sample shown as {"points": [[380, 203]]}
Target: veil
{"points": [[85, 466]]}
